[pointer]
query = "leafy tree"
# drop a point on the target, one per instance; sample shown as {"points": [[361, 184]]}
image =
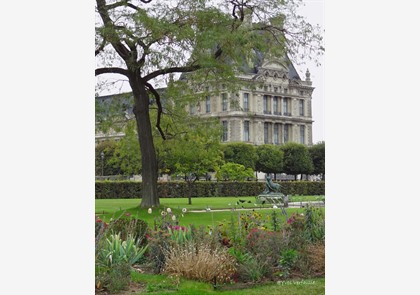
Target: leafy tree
{"points": [[195, 153], [234, 172], [240, 153], [317, 152], [296, 159], [126, 157], [145, 41], [103, 165], [269, 159]]}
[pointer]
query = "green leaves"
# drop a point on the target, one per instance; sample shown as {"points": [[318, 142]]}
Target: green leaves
{"points": [[270, 159], [234, 172], [115, 250], [240, 153], [296, 159]]}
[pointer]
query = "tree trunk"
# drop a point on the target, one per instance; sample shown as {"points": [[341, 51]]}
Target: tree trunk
{"points": [[189, 192], [148, 155]]}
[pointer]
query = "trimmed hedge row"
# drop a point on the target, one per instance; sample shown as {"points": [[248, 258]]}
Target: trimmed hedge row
{"points": [[133, 189]]}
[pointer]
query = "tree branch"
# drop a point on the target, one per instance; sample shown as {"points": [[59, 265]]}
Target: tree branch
{"points": [[101, 47], [125, 3], [160, 109], [185, 69], [120, 71], [115, 42]]}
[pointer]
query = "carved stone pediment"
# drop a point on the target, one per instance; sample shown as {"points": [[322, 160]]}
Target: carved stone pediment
{"points": [[274, 69], [275, 65]]}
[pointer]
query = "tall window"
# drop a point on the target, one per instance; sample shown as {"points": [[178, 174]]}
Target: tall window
{"points": [[301, 108], [276, 105], [207, 104], [302, 134], [246, 130], [246, 102], [265, 132], [225, 130], [276, 133], [286, 133], [266, 104], [286, 106], [224, 102]]}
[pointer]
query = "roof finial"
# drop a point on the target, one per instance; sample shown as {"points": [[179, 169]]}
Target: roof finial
{"points": [[308, 76]]}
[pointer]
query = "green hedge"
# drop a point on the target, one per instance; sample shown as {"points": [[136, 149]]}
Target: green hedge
{"points": [[133, 189]]}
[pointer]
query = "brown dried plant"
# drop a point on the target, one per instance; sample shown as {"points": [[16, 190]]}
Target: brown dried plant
{"points": [[200, 262]]}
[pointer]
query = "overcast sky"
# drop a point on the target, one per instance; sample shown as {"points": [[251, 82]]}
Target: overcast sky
{"points": [[314, 13]]}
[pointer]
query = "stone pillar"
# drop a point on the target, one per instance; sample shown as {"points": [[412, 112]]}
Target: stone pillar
{"points": [[309, 131], [281, 131], [235, 130], [281, 105], [259, 134], [295, 133], [294, 107]]}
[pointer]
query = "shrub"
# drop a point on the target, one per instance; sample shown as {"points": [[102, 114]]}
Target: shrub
{"points": [[116, 279], [114, 258], [251, 269], [176, 189], [158, 241], [115, 250], [314, 224], [265, 247], [251, 220], [197, 261], [234, 172], [312, 260], [100, 230], [127, 225], [248, 268], [288, 259], [317, 258]]}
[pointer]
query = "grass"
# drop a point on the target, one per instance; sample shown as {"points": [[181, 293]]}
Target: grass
{"points": [[211, 218], [113, 208], [161, 284], [196, 218], [113, 205]]}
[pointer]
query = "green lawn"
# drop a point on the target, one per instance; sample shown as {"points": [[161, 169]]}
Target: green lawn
{"points": [[161, 284], [113, 205], [112, 208]]}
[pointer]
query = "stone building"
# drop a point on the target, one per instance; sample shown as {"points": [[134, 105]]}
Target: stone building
{"points": [[278, 109]]}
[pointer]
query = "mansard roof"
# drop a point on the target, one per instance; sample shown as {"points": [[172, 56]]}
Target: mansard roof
{"points": [[261, 60]]}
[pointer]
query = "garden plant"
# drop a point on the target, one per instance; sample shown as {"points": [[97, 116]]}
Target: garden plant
{"points": [[243, 249]]}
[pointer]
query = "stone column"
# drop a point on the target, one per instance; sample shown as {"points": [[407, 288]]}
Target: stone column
{"points": [[295, 133], [259, 134], [293, 107]]}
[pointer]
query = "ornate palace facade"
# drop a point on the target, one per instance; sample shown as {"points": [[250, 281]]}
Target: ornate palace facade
{"points": [[275, 111]]}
